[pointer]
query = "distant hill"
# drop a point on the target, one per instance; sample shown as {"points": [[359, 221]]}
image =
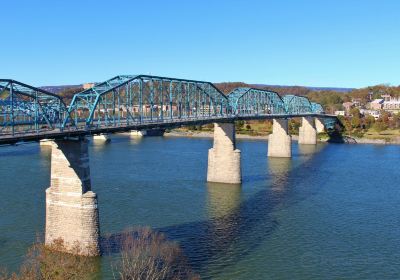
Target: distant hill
{"points": [[344, 90], [57, 89]]}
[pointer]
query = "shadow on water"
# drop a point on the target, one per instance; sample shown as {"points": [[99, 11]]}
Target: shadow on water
{"points": [[235, 228], [23, 149]]}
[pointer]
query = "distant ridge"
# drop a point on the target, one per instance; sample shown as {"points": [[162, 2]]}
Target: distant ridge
{"points": [[57, 89], [338, 89]]}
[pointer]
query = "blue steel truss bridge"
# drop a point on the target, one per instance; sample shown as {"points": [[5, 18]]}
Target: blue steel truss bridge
{"points": [[136, 102]]}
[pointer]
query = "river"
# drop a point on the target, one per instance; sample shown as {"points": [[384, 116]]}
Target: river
{"points": [[330, 212]]}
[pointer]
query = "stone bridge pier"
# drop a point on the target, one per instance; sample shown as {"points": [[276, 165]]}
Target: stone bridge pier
{"points": [[319, 125], [71, 207], [307, 131], [102, 137], [223, 157], [280, 142]]}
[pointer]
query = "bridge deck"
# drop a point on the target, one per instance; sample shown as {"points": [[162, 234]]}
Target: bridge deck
{"points": [[144, 124]]}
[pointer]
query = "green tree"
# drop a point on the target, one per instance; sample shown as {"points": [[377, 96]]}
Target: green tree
{"points": [[356, 118], [239, 125], [380, 125], [368, 121]]}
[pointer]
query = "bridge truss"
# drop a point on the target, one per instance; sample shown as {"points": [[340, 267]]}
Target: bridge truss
{"points": [[134, 100], [24, 108], [252, 101], [124, 100]]}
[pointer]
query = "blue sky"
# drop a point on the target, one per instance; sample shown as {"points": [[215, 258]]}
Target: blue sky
{"points": [[343, 43]]}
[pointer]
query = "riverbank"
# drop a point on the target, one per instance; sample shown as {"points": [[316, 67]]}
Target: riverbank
{"points": [[209, 134], [377, 141]]}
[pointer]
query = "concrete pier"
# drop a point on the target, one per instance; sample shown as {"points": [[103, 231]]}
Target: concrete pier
{"points": [[71, 207], [319, 125], [223, 157], [102, 137], [138, 133], [280, 142], [307, 131], [45, 142], [148, 132]]}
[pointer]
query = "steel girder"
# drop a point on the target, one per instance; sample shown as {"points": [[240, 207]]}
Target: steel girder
{"points": [[127, 99], [330, 122], [26, 109], [137, 99], [252, 101], [317, 108], [297, 104]]}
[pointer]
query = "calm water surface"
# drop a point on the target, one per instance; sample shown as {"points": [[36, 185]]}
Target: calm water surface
{"points": [[331, 212]]}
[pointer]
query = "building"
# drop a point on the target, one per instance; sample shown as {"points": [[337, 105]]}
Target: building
{"points": [[376, 104], [391, 104], [347, 107], [356, 102], [375, 113], [87, 85], [386, 97]]}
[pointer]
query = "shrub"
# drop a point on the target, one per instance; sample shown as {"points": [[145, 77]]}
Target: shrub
{"points": [[239, 125], [50, 263], [147, 254], [380, 126]]}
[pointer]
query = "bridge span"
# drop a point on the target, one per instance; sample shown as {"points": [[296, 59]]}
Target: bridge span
{"points": [[134, 103]]}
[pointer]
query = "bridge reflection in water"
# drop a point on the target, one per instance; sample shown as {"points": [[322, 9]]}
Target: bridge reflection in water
{"points": [[237, 226], [222, 199]]}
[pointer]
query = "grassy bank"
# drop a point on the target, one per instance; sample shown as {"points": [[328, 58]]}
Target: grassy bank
{"points": [[264, 128]]}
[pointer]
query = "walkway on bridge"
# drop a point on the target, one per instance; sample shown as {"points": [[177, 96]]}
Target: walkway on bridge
{"points": [[130, 102]]}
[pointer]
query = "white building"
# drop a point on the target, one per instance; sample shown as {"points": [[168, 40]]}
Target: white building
{"points": [[340, 113], [375, 113], [391, 104], [376, 104]]}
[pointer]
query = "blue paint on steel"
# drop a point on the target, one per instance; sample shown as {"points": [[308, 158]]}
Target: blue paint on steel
{"points": [[134, 99], [252, 101], [24, 108], [128, 100]]}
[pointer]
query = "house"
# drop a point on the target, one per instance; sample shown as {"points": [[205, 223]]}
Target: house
{"points": [[347, 107], [375, 113], [87, 85], [391, 104], [356, 102], [376, 104]]}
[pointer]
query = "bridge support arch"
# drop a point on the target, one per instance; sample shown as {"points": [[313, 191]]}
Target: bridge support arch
{"points": [[71, 207], [280, 142], [307, 131], [223, 157]]}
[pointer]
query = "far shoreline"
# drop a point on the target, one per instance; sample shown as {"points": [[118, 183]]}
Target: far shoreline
{"points": [[203, 134]]}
